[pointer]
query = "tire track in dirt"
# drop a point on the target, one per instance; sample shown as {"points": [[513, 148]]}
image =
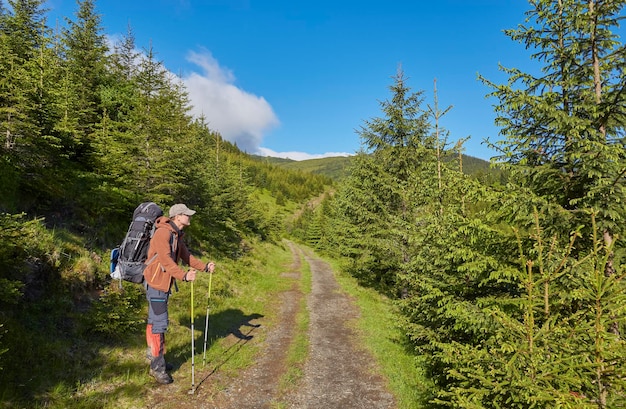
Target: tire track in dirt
{"points": [[257, 386], [338, 373]]}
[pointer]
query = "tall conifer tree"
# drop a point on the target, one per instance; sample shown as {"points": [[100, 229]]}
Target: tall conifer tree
{"points": [[377, 201], [85, 58], [548, 335], [28, 78], [564, 128]]}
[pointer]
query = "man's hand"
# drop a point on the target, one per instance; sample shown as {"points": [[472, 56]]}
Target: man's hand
{"points": [[210, 267], [191, 275]]}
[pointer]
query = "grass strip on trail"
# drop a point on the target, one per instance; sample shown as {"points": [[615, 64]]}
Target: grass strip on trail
{"points": [[299, 348]]}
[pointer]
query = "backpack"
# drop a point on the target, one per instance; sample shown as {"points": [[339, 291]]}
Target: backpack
{"points": [[129, 259]]}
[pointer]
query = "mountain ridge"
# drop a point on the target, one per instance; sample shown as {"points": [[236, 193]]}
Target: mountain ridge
{"points": [[336, 167]]}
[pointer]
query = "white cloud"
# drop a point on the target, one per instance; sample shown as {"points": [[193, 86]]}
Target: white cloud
{"points": [[240, 117], [298, 155]]}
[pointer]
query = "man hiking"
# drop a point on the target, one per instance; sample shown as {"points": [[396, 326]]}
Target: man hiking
{"points": [[166, 249]]}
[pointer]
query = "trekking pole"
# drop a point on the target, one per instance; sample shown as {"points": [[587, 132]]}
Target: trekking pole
{"points": [[206, 324], [193, 350]]}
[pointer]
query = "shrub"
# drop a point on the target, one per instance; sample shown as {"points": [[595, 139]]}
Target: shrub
{"points": [[117, 311]]}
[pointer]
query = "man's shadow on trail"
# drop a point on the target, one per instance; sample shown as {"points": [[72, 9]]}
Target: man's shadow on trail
{"points": [[220, 325], [229, 322]]}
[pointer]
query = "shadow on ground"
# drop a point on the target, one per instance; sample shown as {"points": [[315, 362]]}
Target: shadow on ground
{"points": [[220, 325]]}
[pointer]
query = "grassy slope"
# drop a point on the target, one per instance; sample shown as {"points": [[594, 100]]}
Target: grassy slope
{"points": [[117, 375]]}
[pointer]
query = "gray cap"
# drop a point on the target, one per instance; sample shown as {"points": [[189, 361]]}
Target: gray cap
{"points": [[181, 209]]}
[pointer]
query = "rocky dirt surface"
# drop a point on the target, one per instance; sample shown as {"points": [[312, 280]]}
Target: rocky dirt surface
{"points": [[338, 373]]}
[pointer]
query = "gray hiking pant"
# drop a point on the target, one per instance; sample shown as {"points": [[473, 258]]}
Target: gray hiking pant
{"points": [[157, 322], [157, 309]]}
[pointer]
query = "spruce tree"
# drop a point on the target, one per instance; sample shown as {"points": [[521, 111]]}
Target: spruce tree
{"points": [[25, 26], [31, 149], [85, 64], [563, 129], [548, 336], [377, 204], [154, 126]]}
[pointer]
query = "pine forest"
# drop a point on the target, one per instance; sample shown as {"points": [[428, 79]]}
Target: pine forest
{"points": [[507, 282]]}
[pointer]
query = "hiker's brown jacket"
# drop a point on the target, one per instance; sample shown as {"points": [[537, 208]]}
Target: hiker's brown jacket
{"points": [[166, 250]]}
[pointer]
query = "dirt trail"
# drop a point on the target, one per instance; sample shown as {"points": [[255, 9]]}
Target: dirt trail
{"points": [[337, 373], [257, 386]]}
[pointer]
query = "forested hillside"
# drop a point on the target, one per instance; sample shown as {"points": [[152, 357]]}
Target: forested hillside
{"points": [[89, 132], [514, 293], [509, 289], [337, 168]]}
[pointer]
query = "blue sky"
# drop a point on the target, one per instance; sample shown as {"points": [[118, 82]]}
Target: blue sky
{"points": [[297, 79]]}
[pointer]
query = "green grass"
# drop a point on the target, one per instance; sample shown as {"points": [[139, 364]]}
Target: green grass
{"points": [[91, 371], [240, 292]]}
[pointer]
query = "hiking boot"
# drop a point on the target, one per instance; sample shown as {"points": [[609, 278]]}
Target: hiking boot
{"points": [[161, 377], [168, 366]]}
